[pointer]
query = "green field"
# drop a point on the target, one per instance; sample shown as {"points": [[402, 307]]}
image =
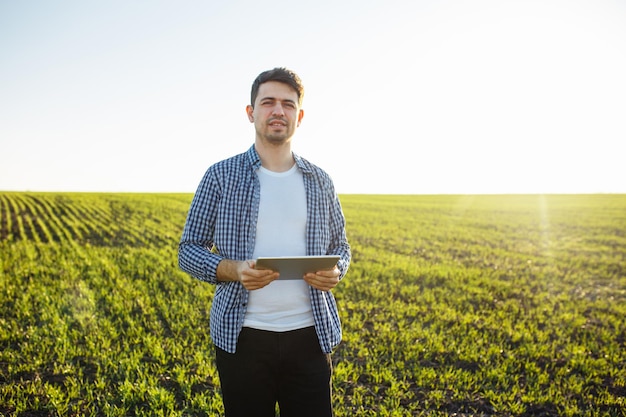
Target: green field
{"points": [[453, 305]]}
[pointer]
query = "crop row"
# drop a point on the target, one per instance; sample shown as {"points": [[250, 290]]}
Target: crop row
{"points": [[94, 219]]}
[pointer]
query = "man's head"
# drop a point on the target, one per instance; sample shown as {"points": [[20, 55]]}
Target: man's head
{"points": [[282, 75], [276, 106]]}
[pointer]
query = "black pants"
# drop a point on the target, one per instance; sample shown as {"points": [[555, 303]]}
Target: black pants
{"points": [[287, 368]]}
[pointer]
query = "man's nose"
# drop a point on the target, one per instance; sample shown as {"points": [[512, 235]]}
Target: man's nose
{"points": [[278, 109]]}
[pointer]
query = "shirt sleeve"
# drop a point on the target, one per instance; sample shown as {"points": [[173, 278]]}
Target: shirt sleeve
{"points": [[339, 241], [195, 255]]}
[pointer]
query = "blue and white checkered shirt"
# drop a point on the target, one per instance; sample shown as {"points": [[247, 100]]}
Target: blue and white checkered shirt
{"points": [[223, 215]]}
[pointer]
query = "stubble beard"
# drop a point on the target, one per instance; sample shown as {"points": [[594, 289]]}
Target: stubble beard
{"points": [[276, 138]]}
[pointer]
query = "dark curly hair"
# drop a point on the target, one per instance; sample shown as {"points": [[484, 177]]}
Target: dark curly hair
{"points": [[282, 75]]}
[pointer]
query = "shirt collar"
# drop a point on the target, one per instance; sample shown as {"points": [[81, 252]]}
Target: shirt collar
{"points": [[302, 165], [254, 158], [255, 161]]}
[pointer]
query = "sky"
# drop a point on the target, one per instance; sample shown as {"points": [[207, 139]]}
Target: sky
{"points": [[402, 97]]}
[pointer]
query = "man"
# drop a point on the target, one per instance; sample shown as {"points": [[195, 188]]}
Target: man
{"points": [[273, 338]]}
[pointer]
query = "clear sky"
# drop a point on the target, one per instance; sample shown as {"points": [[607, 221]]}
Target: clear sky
{"points": [[413, 96]]}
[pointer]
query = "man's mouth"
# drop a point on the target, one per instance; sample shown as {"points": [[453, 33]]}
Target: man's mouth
{"points": [[277, 123]]}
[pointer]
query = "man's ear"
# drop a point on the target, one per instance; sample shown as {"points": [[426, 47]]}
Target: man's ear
{"points": [[300, 116], [249, 111]]}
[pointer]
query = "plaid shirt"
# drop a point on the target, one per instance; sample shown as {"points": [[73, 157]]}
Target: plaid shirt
{"points": [[223, 216]]}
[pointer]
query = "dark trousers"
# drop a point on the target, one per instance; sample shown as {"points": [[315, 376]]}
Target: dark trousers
{"points": [[287, 368]]}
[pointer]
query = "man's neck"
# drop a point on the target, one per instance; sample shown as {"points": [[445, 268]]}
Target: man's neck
{"points": [[276, 158]]}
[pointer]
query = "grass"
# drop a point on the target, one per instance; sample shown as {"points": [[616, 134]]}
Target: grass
{"points": [[467, 305]]}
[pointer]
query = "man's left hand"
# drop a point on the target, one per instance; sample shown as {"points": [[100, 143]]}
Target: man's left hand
{"points": [[323, 280]]}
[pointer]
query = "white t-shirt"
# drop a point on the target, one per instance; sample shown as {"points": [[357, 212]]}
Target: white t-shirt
{"points": [[283, 305]]}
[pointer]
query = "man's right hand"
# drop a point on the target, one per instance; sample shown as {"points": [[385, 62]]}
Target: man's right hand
{"points": [[244, 272]]}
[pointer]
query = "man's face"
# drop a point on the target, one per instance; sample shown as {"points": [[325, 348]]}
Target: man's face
{"points": [[276, 113]]}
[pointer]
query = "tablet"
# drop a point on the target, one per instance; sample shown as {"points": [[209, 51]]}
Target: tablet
{"points": [[294, 267]]}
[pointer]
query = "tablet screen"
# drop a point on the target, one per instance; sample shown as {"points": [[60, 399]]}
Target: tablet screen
{"points": [[294, 267]]}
